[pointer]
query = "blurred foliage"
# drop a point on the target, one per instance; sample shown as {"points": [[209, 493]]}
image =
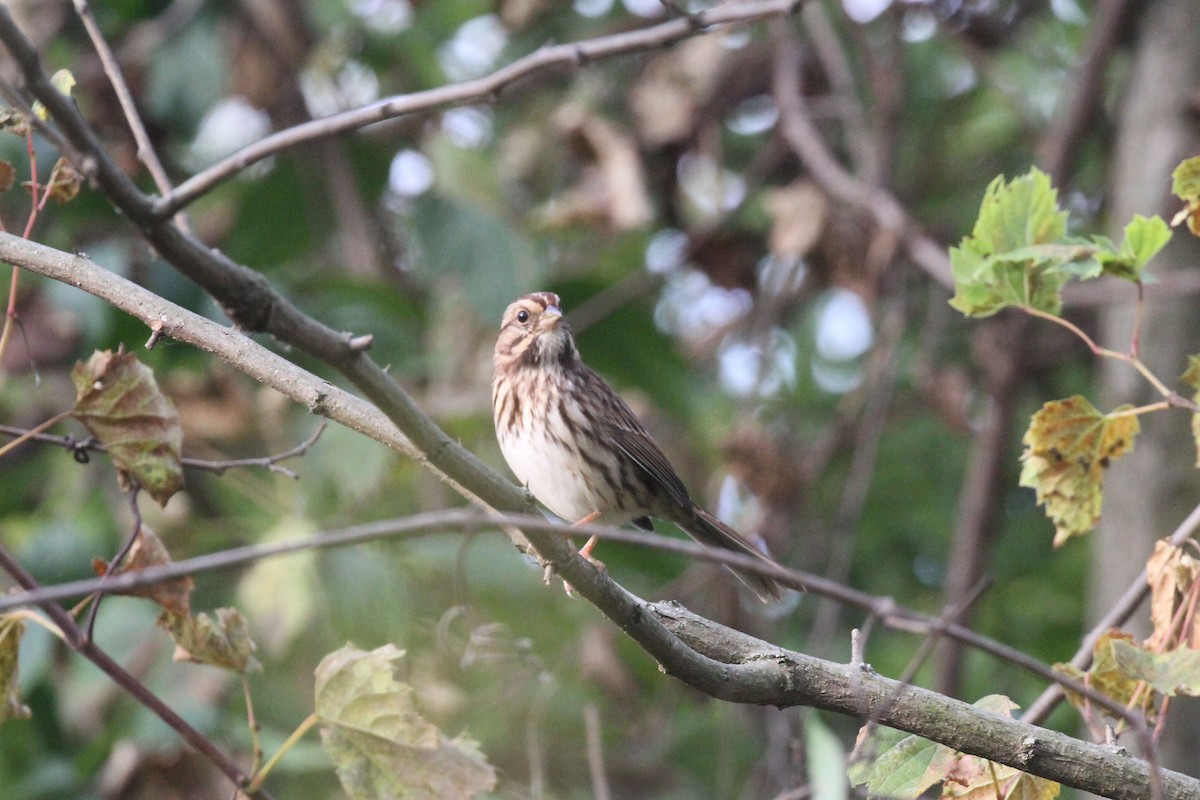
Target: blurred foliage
{"points": [[419, 231]]}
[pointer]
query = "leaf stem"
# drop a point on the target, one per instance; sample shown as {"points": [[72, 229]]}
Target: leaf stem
{"points": [[29, 434], [260, 776], [1104, 352], [41, 620], [1133, 412]]}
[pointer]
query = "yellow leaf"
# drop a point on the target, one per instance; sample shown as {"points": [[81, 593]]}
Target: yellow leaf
{"points": [[62, 80], [380, 743], [1068, 448], [11, 630], [1107, 675]]}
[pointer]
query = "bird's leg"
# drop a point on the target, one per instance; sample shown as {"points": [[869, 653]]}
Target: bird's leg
{"points": [[586, 550]]}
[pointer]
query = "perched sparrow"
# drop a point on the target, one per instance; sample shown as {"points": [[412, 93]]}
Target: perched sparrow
{"points": [[578, 448]]}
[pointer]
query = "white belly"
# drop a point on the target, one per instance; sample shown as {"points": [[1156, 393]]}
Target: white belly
{"points": [[544, 462]]}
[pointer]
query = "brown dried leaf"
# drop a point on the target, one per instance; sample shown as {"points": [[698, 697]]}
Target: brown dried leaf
{"points": [[119, 402], [149, 551], [674, 87], [612, 186], [64, 181], [1171, 573], [797, 218], [7, 176], [13, 121]]}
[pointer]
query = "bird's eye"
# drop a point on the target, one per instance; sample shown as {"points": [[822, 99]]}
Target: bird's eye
{"points": [[522, 316]]}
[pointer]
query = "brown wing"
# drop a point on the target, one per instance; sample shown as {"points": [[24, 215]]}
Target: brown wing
{"points": [[630, 436]]}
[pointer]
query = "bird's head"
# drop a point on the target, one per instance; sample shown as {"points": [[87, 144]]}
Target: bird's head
{"points": [[534, 333]]}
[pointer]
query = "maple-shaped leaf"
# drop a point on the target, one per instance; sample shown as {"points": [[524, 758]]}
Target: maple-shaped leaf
{"points": [[897, 765], [994, 267], [222, 642], [1185, 184], [1068, 448], [1107, 676], [1172, 575], [975, 778], [119, 402], [149, 551], [979, 779], [1191, 376], [1170, 673], [1018, 253], [11, 630], [894, 765], [381, 744]]}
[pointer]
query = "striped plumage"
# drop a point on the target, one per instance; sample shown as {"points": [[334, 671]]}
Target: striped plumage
{"points": [[578, 447]]}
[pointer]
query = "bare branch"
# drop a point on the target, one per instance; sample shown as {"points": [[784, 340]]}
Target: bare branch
{"points": [[82, 644], [81, 447], [112, 69], [478, 90], [805, 139]]}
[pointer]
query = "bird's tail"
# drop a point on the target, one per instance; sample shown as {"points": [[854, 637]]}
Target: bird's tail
{"points": [[708, 530]]}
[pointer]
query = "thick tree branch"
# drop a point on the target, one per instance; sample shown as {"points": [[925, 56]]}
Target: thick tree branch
{"points": [[763, 673]]}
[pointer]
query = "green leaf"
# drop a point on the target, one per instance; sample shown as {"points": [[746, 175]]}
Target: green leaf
{"points": [[826, 760], [1170, 673], [995, 267], [11, 630], [119, 402], [1185, 180], [1019, 253], [222, 642], [1069, 446], [1144, 237], [1017, 214], [381, 745], [891, 764]]}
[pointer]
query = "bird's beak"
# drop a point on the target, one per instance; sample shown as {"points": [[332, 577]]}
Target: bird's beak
{"points": [[552, 315]]}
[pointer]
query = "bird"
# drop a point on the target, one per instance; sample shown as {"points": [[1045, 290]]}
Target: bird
{"points": [[577, 446]]}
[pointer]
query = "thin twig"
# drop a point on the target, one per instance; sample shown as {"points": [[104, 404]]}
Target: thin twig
{"points": [[145, 148], [77, 641], [115, 563], [81, 447], [883, 608], [798, 129]]}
